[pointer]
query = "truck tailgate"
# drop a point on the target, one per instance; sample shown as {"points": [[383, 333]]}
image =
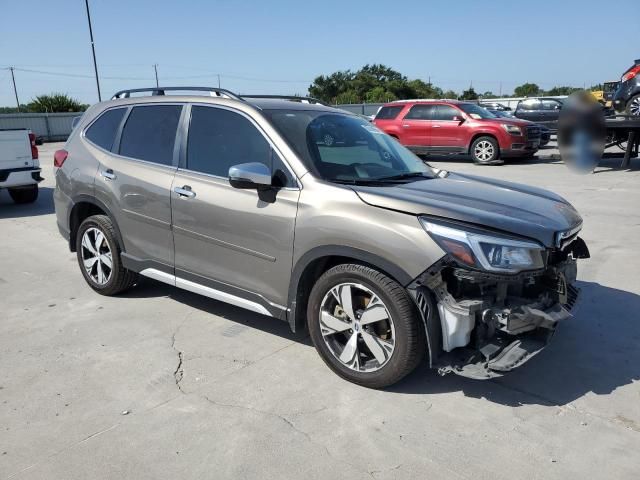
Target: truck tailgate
{"points": [[15, 149]]}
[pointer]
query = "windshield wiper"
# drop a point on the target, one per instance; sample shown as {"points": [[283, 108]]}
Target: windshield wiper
{"points": [[404, 176]]}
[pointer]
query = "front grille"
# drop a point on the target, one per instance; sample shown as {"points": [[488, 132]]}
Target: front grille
{"points": [[533, 133]]}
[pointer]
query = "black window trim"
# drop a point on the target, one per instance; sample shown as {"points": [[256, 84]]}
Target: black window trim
{"points": [[183, 129]]}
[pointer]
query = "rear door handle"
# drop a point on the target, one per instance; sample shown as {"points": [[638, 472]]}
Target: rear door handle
{"points": [[185, 191], [436, 126], [406, 126], [108, 174]]}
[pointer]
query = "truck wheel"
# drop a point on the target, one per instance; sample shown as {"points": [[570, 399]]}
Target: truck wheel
{"points": [[364, 326], [485, 151], [633, 107], [98, 254], [24, 194]]}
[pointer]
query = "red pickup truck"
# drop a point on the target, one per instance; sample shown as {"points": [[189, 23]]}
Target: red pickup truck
{"points": [[456, 127]]}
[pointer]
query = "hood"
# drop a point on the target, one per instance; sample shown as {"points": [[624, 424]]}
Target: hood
{"points": [[509, 121], [510, 207]]}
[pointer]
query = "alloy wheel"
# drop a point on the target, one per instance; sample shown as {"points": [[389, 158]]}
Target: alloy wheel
{"points": [[634, 107], [328, 139], [356, 327], [484, 151], [96, 256]]}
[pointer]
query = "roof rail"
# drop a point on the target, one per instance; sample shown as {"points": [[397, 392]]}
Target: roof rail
{"points": [[288, 97], [215, 92]]}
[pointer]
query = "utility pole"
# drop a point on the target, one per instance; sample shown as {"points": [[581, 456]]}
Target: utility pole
{"points": [[155, 68], [15, 90], [93, 50], [500, 94], [218, 80]]}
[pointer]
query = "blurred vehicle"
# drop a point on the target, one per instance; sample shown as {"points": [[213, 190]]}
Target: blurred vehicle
{"points": [[608, 90], [494, 106], [543, 111], [626, 98], [545, 133], [457, 127], [19, 165]]}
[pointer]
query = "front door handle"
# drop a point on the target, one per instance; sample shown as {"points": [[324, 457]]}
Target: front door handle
{"points": [[185, 191], [406, 126], [436, 126], [108, 174]]}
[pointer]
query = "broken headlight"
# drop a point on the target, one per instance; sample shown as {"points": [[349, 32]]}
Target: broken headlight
{"points": [[486, 251]]}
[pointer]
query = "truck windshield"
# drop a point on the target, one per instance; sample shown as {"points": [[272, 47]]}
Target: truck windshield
{"points": [[344, 148], [475, 111]]}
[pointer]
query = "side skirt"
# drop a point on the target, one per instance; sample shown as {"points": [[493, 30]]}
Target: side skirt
{"points": [[226, 297]]}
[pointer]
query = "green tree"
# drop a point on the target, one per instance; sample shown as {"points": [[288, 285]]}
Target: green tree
{"points": [[488, 94], [450, 94], [372, 83], [526, 90], [469, 94], [55, 102], [561, 91]]}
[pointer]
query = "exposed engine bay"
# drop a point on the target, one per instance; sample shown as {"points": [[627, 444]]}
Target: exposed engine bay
{"points": [[487, 324]]}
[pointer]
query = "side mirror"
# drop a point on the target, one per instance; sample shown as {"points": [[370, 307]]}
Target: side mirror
{"points": [[458, 118], [250, 175]]}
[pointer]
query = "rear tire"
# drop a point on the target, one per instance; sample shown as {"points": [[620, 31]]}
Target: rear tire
{"points": [[99, 258], [633, 106], [485, 151], [24, 194], [382, 343]]}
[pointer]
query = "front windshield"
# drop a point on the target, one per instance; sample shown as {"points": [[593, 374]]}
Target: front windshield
{"points": [[475, 111], [344, 148], [501, 114]]}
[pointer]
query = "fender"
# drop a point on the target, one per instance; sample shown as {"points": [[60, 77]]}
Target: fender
{"points": [[83, 198], [295, 317]]}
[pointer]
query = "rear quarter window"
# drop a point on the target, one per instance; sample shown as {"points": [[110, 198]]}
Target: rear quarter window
{"points": [[389, 113], [103, 131]]}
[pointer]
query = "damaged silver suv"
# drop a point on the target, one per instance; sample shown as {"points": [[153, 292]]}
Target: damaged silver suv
{"points": [[386, 260]]}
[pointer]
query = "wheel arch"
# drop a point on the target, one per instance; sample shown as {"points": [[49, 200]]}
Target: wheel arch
{"points": [[83, 207], [320, 259], [483, 134]]}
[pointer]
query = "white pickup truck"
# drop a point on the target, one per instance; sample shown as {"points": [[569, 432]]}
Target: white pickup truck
{"points": [[19, 165]]}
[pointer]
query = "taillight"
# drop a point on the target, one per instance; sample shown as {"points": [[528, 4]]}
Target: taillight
{"points": [[59, 157], [34, 149], [633, 71]]}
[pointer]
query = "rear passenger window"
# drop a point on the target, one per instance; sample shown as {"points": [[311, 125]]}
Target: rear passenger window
{"points": [[445, 112], [150, 133], [388, 113], [219, 139], [420, 112], [103, 131]]}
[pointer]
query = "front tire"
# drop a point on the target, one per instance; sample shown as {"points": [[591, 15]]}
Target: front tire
{"points": [[99, 258], [24, 194], [365, 326], [485, 151]]}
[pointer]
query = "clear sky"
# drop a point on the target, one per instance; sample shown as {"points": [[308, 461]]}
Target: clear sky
{"points": [[279, 46]]}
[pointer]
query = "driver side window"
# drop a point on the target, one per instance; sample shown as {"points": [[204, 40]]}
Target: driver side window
{"points": [[219, 139]]}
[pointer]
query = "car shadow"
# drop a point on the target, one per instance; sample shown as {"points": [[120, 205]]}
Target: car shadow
{"points": [[148, 288], [594, 352], [42, 206]]}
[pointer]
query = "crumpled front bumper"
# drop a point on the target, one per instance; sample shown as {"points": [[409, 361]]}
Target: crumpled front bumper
{"points": [[482, 326]]}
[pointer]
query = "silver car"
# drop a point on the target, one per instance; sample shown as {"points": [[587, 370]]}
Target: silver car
{"points": [[386, 260]]}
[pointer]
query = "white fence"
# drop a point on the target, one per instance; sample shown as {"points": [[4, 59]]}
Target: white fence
{"points": [[49, 126]]}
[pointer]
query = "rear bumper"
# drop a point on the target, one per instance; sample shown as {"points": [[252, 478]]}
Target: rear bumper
{"points": [[20, 177]]}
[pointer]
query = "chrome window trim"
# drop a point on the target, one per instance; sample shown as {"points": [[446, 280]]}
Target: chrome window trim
{"points": [[257, 126]]}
